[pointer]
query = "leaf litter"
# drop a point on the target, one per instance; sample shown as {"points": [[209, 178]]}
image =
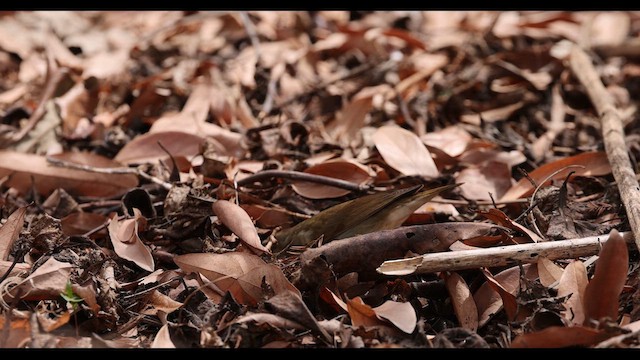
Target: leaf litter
{"points": [[148, 160]]}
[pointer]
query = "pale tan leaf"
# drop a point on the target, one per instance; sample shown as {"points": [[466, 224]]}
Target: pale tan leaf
{"points": [[573, 282], [481, 180], [144, 148], [16, 335], [158, 301], [48, 321], [238, 221], [46, 178], [549, 272], [489, 301], [559, 337], [609, 28], [163, 339], [14, 94], [10, 231], [462, 300], [127, 245], [453, 140], [493, 115], [46, 282], [602, 294], [400, 314], [271, 319], [404, 151], [339, 169], [238, 272], [88, 294], [508, 299], [591, 164], [106, 64]]}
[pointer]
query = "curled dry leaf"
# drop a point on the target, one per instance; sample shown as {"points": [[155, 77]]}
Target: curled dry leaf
{"points": [[402, 315], [27, 170], [602, 295], [271, 319], [404, 151], [591, 164], [46, 282], [145, 148], [158, 301], [10, 231], [126, 242], [239, 273], [500, 218], [508, 299], [574, 282], [463, 304], [489, 301], [237, 220], [339, 169]]}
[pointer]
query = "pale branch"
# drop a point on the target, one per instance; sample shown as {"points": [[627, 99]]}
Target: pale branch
{"points": [[497, 256], [296, 175], [613, 137]]}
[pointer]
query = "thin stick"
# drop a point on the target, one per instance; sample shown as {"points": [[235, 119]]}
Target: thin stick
{"points": [[49, 91], [296, 175], [613, 137], [497, 256]]}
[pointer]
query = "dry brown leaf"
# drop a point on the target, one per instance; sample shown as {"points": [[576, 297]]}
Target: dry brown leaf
{"points": [[14, 94], [602, 294], [500, 218], [158, 301], [145, 148], [16, 335], [10, 231], [22, 168], [79, 223], [126, 243], [88, 294], [291, 306], [559, 337], [238, 221], [106, 64], [362, 314], [50, 320], [493, 115], [479, 181], [339, 169], [163, 339], [271, 319], [268, 217], [549, 272], [463, 304], [453, 140], [574, 282], [508, 299], [489, 301], [238, 272], [75, 107], [609, 28], [46, 282], [594, 164], [351, 118], [404, 151]]}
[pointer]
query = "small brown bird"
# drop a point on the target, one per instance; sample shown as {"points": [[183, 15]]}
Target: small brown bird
{"points": [[366, 214]]}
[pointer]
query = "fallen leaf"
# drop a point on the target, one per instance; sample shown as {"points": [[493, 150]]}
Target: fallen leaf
{"points": [[126, 243], [239, 273], [163, 339], [271, 319], [508, 299], [559, 337], [609, 28], [339, 169], [16, 335], [453, 140], [602, 294], [574, 282], [238, 221], [145, 149], [500, 218], [27, 170], [400, 314], [46, 282], [462, 300], [479, 181], [590, 164], [549, 272], [362, 314], [404, 151], [10, 231], [159, 302], [79, 223], [489, 301]]}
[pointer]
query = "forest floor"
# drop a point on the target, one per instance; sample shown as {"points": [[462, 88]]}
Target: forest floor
{"points": [[150, 159]]}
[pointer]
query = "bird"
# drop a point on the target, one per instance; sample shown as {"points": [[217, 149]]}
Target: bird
{"points": [[370, 213]]}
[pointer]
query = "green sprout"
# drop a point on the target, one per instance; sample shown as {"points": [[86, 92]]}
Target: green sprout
{"points": [[70, 296]]}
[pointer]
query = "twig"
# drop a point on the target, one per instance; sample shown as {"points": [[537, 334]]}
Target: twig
{"points": [[497, 256], [296, 175], [119, 170], [49, 91], [554, 127], [613, 137], [251, 31]]}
